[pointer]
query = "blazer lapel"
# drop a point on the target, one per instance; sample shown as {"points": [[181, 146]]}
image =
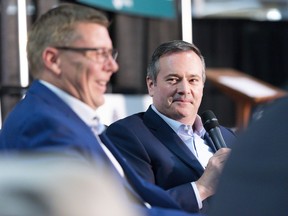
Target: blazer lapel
{"points": [[49, 97], [170, 139], [150, 193], [92, 147]]}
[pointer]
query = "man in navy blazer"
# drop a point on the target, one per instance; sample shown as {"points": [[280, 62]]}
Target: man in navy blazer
{"points": [[71, 57], [153, 141]]}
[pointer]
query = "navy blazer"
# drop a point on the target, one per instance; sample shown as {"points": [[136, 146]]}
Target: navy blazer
{"points": [[159, 155], [42, 122]]}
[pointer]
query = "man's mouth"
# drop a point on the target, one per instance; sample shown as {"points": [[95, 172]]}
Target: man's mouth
{"points": [[101, 83], [182, 100]]}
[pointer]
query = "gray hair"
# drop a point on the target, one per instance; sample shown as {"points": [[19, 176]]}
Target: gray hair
{"points": [[57, 28], [169, 47]]}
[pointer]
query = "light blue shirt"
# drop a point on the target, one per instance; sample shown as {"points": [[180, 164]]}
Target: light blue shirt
{"points": [[196, 143]]}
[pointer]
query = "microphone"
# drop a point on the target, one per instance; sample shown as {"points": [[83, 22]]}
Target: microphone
{"points": [[211, 125]]}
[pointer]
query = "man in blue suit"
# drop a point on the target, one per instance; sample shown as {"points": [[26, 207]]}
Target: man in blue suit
{"points": [[71, 58], [167, 144]]}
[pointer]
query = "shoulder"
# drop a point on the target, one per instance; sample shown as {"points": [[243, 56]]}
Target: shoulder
{"points": [[274, 110], [134, 119]]}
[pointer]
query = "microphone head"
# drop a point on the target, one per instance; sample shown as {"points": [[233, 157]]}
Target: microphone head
{"points": [[209, 120]]}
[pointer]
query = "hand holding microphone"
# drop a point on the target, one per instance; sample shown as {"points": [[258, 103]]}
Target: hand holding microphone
{"points": [[207, 183]]}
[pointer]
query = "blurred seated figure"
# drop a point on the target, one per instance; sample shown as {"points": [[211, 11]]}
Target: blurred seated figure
{"points": [[254, 180], [50, 185]]}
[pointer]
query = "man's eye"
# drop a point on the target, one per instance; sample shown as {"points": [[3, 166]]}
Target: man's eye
{"points": [[194, 80], [172, 80]]}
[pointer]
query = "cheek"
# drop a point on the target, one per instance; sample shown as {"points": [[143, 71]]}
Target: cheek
{"points": [[92, 73], [199, 94], [93, 68], [78, 73], [162, 91]]}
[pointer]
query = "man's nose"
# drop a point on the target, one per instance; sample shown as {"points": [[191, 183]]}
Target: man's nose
{"points": [[112, 65], [183, 87]]}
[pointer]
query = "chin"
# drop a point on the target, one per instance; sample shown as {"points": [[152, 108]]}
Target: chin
{"points": [[185, 112], [99, 101]]}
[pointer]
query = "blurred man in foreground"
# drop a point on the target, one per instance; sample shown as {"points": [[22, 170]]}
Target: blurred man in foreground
{"points": [[254, 182]]}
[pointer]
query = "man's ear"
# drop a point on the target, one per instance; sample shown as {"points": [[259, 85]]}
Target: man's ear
{"points": [[51, 60], [150, 86]]}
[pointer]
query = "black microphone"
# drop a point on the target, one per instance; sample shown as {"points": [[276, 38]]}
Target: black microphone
{"points": [[211, 125]]}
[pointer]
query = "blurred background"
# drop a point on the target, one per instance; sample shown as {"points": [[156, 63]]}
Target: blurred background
{"points": [[246, 35]]}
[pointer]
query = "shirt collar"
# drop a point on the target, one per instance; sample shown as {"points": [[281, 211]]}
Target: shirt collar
{"points": [[85, 112], [175, 125]]}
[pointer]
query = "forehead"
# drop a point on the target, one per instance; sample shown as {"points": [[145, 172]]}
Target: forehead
{"points": [[92, 34], [181, 62]]}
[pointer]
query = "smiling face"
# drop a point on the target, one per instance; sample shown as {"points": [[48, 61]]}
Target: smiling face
{"points": [[178, 90], [80, 73]]}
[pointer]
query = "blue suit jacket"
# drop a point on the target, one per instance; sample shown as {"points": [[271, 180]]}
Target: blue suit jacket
{"points": [[42, 122], [159, 155]]}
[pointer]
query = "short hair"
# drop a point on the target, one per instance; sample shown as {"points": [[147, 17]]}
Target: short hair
{"points": [[175, 46], [57, 28]]}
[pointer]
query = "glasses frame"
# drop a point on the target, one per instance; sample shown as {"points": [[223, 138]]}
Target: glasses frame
{"points": [[113, 52]]}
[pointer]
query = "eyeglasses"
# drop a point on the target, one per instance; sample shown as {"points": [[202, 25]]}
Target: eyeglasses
{"points": [[96, 54]]}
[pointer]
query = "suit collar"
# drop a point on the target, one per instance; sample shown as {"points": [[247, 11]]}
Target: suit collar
{"points": [[175, 125], [170, 139], [85, 112], [53, 105], [39, 90]]}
